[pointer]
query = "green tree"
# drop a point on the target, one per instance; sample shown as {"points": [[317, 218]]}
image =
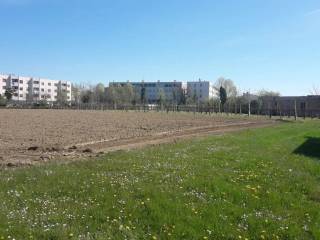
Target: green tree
{"points": [[3, 101], [143, 95], [62, 97], [86, 96], [223, 96], [9, 93]]}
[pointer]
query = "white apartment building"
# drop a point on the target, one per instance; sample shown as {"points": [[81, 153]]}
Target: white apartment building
{"points": [[35, 89], [202, 90], [173, 91], [3, 84]]}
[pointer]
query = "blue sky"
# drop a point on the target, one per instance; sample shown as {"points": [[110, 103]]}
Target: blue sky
{"points": [[272, 44]]}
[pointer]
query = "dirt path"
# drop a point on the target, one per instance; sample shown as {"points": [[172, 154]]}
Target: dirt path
{"points": [[173, 136], [95, 148]]}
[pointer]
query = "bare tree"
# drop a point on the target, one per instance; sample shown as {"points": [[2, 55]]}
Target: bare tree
{"points": [[267, 93], [315, 90], [127, 93], [76, 93], [161, 97], [99, 93], [112, 95], [228, 85], [230, 91]]}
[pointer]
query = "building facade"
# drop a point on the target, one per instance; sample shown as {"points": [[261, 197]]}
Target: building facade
{"points": [[151, 92], [287, 105], [201, 90], [3, 84], [32, 89]]}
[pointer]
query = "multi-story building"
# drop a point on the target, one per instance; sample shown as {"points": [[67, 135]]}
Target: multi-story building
{"points": [[35, 89], [3, 84], [151, 91], [201, 90]]}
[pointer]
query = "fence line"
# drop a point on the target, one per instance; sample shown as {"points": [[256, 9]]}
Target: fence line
{"points": [[229, 108]]}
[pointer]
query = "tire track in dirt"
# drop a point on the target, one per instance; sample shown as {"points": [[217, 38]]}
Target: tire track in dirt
{"points": [[126, 144], [95, 148]]}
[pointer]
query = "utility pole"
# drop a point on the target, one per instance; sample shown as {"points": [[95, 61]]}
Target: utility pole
{"points": [[295, 110], [249, 105]]}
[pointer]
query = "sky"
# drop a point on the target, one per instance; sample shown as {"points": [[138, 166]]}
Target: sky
{"points": [[259, 44]]}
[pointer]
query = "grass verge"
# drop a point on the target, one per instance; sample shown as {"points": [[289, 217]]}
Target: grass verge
{"points": [[256, 184]]}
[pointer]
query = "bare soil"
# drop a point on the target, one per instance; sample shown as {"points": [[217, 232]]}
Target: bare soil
{"points": [[29, 137]]}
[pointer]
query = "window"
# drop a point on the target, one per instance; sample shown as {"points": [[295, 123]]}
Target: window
{"points": [[15, 80], [49, 90], [4, 80], [49, 84], [21, 81], [4, 87], [36, 89], [15, 94], [42, 83], [21, 89], [42, 89], [21, 95], [56, 84], [55, 90], [35, 82]]}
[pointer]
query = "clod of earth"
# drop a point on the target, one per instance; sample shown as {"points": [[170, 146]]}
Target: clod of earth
{"points": [[87, 150], [33, 148], [10, 164]]}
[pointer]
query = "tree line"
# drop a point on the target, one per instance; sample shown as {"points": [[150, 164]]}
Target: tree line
{"points": [[228, 97]]}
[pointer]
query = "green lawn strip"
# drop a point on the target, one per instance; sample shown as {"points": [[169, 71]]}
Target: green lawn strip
{"points": [[242, 185]]}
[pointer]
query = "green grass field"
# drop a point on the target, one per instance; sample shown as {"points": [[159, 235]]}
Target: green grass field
{"points": [[254, 184]]}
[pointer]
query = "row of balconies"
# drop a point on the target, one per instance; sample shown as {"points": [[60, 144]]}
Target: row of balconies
{"points": [[16, 81]]}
